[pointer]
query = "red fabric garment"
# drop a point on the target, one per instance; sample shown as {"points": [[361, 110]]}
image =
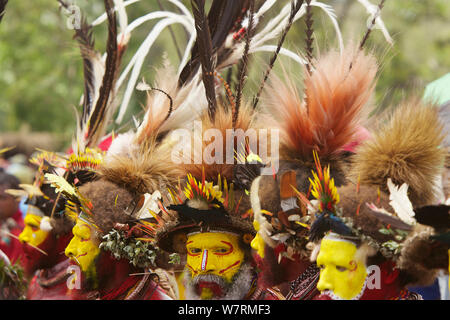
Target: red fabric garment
{"points": [[10, 245]]}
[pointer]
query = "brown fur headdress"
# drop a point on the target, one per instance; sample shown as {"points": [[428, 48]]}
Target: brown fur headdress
{"points": [[406, 149]]}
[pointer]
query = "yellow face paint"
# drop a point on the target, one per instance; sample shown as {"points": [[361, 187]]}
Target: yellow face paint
{"points": [[339, 272], [214, 253], [83, 248], [258, 243], [32, 233]]}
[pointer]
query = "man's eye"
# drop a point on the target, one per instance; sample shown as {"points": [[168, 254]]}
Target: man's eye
{"points": [[195, 250], [34, 228], [341, 269], [221, 250], [321, 266]]}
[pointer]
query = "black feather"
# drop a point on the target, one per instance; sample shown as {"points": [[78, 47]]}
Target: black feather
{"points": [[205, 53], [327, 221], [212, 215], [2, 8], [222, 18], [86, 44], [309, 35], [110, 72], [295, 6], [395, 222], [437, 216], [245, 58], [83, 35]]}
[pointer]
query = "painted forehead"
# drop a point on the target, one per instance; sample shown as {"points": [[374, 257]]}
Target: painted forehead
{"points": [[32, 219], [338, 251], [82, 227]]}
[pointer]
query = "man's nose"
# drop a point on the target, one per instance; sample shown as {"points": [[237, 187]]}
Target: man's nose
{"points": [[325, 281], [255, 242], [207, 263], [24, 236], [71, 251]]}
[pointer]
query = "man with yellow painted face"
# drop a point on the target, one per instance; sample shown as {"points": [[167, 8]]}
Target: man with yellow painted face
{"points": [[215, 236], [342, 272], [46, 233], [113, 264], [372, 217], [215, 241], [44, 237], [358, 252]]}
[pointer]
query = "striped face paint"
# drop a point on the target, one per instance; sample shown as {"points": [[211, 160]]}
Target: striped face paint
{"points": [[214, 253]]}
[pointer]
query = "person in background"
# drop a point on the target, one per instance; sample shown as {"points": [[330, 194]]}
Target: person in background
{"points": [[11, 220]]}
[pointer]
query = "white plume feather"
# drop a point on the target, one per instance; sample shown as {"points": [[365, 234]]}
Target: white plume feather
{"points": [[400, 202]]}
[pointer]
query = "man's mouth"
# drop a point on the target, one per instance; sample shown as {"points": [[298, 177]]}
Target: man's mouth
{"points": [[75, 258], [213, 286]]}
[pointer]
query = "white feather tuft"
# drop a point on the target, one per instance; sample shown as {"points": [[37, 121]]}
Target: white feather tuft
{"points": [[122, 145], [400, 202], [45, 224]]}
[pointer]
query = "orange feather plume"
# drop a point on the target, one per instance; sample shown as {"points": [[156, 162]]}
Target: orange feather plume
{"points": [[328, 117]]}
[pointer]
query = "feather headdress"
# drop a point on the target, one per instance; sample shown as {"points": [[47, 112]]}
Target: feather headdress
{"points": [[328, 118], [407, 149], [212, 199], [315, 127], [100, 77], [359, 213], [379, 208]]}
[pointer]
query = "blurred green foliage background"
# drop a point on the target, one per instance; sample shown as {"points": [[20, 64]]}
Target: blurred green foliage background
{"points": [[41, 79]]}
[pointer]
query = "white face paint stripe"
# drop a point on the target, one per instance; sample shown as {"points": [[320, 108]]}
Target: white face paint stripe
{"points": [[204, 259]]}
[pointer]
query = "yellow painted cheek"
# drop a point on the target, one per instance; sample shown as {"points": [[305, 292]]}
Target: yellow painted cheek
{"points": [[194, 262], [228, 265], [82, 251], [349, 284]]}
